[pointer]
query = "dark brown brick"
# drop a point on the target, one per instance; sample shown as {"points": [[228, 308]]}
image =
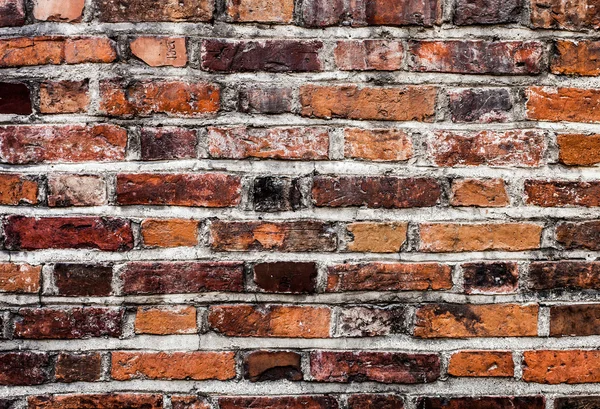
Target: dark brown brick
{"points": [[386, 192], [480, 105], [116, 11], [260, 366], [97, 401], [14, 97], [577, 402], [278, 402], [584, 235], [375, 402], [490, 277], [467, 12], [574, 320], [286, 277], [84, 367], [77, 280], [24, 368], [511, 402], [12, 13], [167, 143], [564, 275]]}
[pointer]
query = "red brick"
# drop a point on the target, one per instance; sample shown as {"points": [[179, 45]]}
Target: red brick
{"points": [[169, 233], [266, 100], [480, 105], [270, 321], [377, 144], [17, 189], [305, 143], [86, 367], [15, 98], [57, 10], [490, 277], [90, 50], [565, 14], [480, 193], [165, 320], [262, 11], [386, 192], [574, 320], [12, 13], [554, 367], [307, 235], [481, 364], [24, 368], [70, 323], [20, 278], [189, 402], [585, 235], [286, 277], [278, 402], [467, 321], [579, 150], [182, 277], [160, 51], [135, 11], [260, 366], [483, 402], [83, 280], [408, 103], [378, 401], [76, 190], [563, 104], [167, 143], [269, 55], [102, 233], [363, 55], [564, 275], [27, 51], [468, 12], [149, 97], [175, 365], [62, 143], [490, 148], [371, 321], [389, 277], [562, 193], [64, 97], [97, 401], [200, 190], [384, 367]]}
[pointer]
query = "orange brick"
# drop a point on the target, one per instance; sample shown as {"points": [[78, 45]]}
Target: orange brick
{"points": [[170, 233], [165, 320], [377, 237], [481, 363], [377, 144], [481, 193], [16, 189], [19, 278], [553, 367]]}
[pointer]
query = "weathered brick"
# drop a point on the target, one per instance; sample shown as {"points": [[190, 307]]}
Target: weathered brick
{"points": [[56, 10], [520, 148], [76, 190], [389, 277], [64, 97], [562, 193], [85, 367], [480, 193], [477, 56], [564, 275], [384, 367], [270, 321], [553, 367], [279, 402], [490, 277], [371, 321], [306, 143], [83, 280], [295, 236], [15, 98], [116, 11], [71, 323], [175, 365], [481, 363], [90, 50], [468, 12], [62, 143], [480, 105], [286, 277], [17, 189], [189, 402], [408, 103], [386, 192], [585, 235], [260, 366], [20, 278], [97, 401], [167, 143], [578, 149], [322, 13], [169, 233], [577, 402], [262, 11], [201, 190], [266, 100], [377, 237], [377, 144], [102, 233], [563, 104], [165, 320], [483, 320], [181, 277], [276, 194], [24, 368], [363, 55], [148, 97], [574, 320], [27, 51], [456, 237], [483, 402], [12, 13], [378, 401], [576, 58], [268, 55], [160, 51], [565, 14]]}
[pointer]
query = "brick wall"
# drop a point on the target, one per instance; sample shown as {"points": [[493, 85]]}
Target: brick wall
{"points": [[316, 204]]}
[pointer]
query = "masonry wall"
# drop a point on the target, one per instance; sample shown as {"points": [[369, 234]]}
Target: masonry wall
{"points": [[318, 204]]}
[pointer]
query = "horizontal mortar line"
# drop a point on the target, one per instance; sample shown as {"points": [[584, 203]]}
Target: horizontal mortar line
{"points": [[450, 387], [221, 29], [205, 254], [467, 215]]}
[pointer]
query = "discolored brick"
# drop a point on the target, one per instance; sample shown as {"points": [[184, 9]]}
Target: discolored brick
{"points": [[268, 11], [86, 367], [576, 58], [378, 401], [279, 402], [286, 277], [377, 144], [584, 235], [20, 278], [483, 402], [15, 98], [18, 189], [480, 193], [276, 194], [24, 368], [490, 277], [116, 11], [64, 97], [363, 55], [160, 51], [12, 13], [564, 275], [574, 320], [371, 321], [468, 12], [260, 366], [266, 100], [562, 193], [565, 14], [97, 401], [480, 105], [83, 280], [76, 190]]}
